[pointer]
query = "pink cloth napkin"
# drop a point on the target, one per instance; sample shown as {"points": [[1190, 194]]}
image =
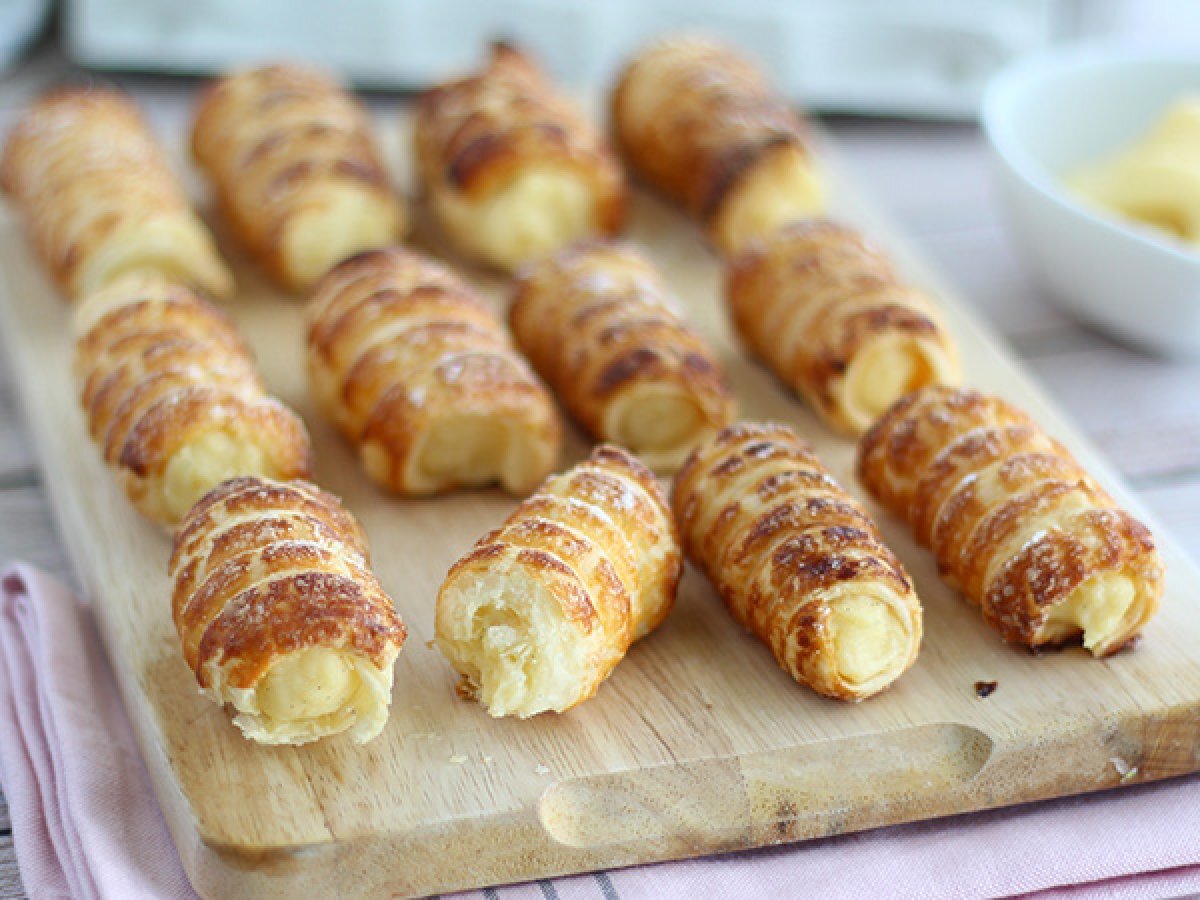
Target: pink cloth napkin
{"points": [[86, 823]]}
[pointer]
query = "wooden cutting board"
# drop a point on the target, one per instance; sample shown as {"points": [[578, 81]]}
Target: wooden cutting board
{"points": [[698, 742]]}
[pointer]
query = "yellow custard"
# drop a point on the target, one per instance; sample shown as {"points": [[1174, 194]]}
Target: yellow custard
{"points": [[1156, 182]]}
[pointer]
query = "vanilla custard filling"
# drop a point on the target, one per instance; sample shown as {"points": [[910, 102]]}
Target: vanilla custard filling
{"points": [[1101, 608], [883, 372], [541, 209], [343, 220], [659, 423], [199, 466], [869, 639], [782, 187], [307, 684], [469, 449], [1156, 181], [308, 694], [174, 247]]}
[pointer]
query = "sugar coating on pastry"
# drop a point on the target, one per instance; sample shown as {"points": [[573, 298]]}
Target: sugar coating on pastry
{"points": [[279, 614], [510, 167], [597, 322], [541, 610], [98, 198], [171, 396], [295, 166], [797, 561], [1014, 521], [414, 368]]}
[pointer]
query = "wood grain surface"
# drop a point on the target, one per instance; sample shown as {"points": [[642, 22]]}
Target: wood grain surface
{"points": [[933, 180], [698, 743]]}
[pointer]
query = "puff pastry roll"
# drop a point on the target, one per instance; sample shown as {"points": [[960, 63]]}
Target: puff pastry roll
{"points": [[704, 126], [279, 614], [172, 398], [828, 315], [598, 324], [1013, 520], [797, 561], [539, 613], [511, 169], [98, 198], [296, 170], [414, 368]]}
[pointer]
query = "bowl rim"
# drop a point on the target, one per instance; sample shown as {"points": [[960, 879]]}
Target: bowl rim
{"points": [[1049, 64]]}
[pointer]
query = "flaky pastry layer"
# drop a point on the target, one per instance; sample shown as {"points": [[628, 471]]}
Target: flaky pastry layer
{"points": [[797, 560], [1014, 521], [598, 324], [99, 200], [415, 369], [279, 615], [172, 398], [705, 127], [827, 313], [541, 610], [510, 168], [296, 169]]}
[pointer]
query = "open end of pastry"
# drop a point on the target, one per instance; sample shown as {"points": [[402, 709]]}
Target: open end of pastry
{"points": [[470, 450], [1105, 610], [543, 208], [199, 466], [344, 220], [510, 645], [312, 693], [783, 186], [120, 291], [883, 372], [176, 250], [660, 423], [871, 637]]}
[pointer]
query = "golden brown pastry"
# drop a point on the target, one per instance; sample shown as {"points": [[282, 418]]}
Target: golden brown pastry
{"points": [[1013, 520], [417, 371], [98, 198], [827, 313], [279, 614], [797, 561], [511, 169], [704, 126], [539, 613], [172, 398], [598, 324], [295, 167]]}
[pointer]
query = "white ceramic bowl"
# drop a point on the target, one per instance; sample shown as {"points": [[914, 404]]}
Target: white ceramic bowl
{"points": [[1047, 114]]}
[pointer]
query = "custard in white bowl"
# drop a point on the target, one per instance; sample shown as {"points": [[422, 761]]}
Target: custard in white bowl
{"points": [[1051, 115]]}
